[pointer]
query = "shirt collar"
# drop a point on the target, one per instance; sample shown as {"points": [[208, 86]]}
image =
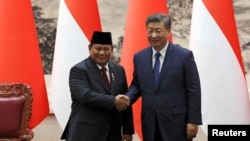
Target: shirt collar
{"points": [[106, 66], [162, 51]]}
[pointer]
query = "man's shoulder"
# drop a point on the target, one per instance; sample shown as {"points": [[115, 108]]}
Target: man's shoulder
{"points": [[144, 50], [115, 65], [180, 48], [81, 63]]}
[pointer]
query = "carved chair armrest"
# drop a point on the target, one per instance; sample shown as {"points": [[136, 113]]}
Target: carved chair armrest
{"points": [[29, 135]]}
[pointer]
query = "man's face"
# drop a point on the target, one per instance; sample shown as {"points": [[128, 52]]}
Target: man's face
{"points": [[100, 53], [157, 35]]}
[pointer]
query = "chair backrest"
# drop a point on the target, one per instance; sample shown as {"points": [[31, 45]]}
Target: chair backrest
{"points": [[15, 110]]}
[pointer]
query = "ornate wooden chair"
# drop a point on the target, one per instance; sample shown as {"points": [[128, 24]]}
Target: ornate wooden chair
{"points": [[15, 112]]}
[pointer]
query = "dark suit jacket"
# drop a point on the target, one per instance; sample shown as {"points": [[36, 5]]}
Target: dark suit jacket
{"points": [[93, 113], [175, 101]]}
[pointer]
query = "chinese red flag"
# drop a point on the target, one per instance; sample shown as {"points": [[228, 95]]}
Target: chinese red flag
{"points": [[19, 54], [135, 39], [76, 22]]}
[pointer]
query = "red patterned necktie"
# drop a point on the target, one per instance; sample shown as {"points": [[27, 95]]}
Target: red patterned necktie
{"points": [[105, 76]]}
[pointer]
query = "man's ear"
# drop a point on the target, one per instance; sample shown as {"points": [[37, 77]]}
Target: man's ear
{"points": [[90, 45]]}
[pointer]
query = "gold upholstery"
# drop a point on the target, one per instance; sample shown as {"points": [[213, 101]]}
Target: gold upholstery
{"points": [[15, 112]]}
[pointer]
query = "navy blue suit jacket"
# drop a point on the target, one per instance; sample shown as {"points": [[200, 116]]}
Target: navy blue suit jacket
{"points": [[175, 101]]}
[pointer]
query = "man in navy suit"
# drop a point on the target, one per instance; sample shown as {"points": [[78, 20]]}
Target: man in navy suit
{"points": [[168, 84], [95, 99]]}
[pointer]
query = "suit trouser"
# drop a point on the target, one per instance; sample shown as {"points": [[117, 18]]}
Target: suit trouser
{"points": [[157, 135], [109, 137]]}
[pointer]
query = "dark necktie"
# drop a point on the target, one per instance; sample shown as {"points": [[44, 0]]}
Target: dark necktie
{"points": [[157, 67], [104, 74]]}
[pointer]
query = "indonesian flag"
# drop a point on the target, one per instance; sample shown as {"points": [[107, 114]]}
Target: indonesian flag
{"points": [[20, 55], [76, 22], [215, 44], [135, 39]]}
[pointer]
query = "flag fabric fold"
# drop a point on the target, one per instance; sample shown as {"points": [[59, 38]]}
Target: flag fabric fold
{"points": [[214, 41], [135, 39], [20, 55], [76, 21]]}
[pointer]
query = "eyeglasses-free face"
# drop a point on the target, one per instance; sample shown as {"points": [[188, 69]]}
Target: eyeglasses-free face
{"points": [[100, 53], [157, 34]]}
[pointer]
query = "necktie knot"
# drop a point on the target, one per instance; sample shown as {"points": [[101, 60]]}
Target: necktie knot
{"points": [[157, 54], [103, 69]]}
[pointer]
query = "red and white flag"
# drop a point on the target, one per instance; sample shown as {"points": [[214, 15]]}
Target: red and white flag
{"points": [[214, 41], [76, 22], [20, 57], [135, 39]]}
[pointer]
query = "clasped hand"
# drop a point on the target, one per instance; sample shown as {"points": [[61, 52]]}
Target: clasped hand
{"points": [[121, 102]]}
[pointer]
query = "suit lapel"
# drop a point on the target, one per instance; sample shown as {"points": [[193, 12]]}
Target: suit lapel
{"points": [[149, 66], [97, 75], [167, 63], [112, 75]]}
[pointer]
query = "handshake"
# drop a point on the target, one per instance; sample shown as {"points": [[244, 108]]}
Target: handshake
{"points": [[121, 102]]}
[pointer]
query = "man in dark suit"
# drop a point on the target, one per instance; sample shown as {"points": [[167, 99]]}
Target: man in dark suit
{"points": [[95, 99], [166, 77]]}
